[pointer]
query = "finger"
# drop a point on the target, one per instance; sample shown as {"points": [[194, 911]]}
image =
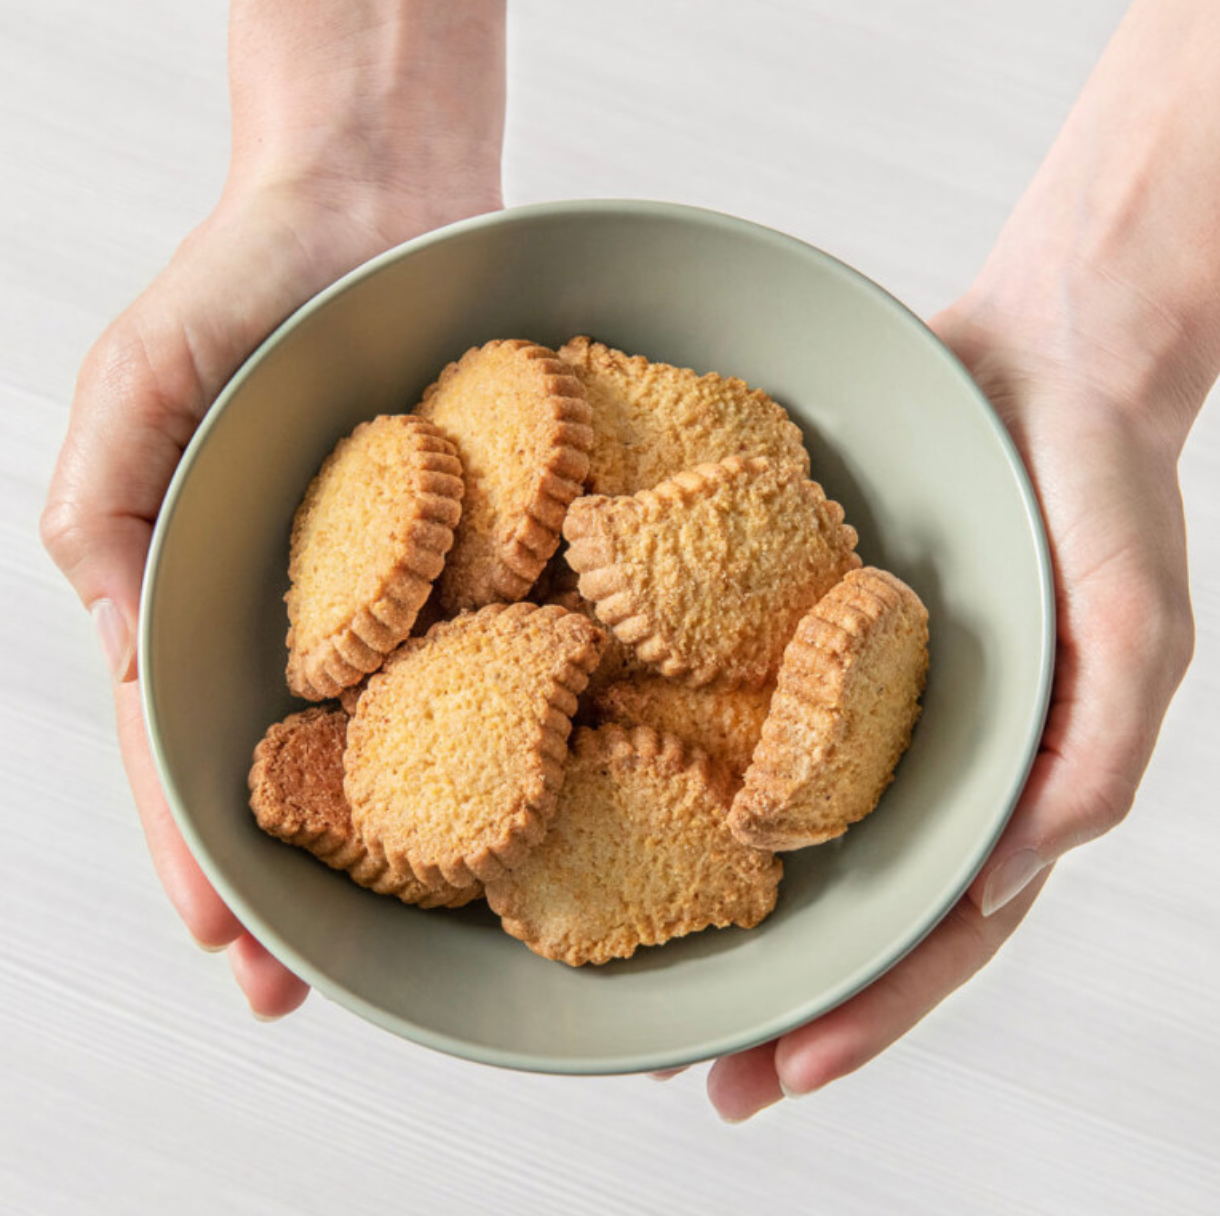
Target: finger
{"points": [[141, 393], [206, 917], [270, 987], [136, 403], [668, 1074], [863, 1027], [1125, 636], [741, 1085], [1114, 680]]}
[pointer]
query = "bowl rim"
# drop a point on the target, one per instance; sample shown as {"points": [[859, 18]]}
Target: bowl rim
{"points": [[533, 1061]]}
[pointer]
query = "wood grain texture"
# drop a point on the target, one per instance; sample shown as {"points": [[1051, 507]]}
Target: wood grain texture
{"points": [[1078, 1074]]}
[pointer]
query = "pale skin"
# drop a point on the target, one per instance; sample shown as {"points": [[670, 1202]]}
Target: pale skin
{"points": [[1093, 328]]}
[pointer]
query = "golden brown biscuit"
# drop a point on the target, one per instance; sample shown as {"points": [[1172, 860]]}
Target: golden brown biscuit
{"points": [[707, 574], [367, 540], [722, 720], [428, 616], [455, 753], [639, 852], [521, 424], [842, 715], [651, 420], [296, 794]]}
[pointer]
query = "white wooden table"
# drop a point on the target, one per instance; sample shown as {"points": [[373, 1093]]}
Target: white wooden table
{"points": [[1080, 1073]]}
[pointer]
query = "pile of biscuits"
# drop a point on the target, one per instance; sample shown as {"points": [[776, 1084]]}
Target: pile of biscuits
{"points": [[586, 641]]}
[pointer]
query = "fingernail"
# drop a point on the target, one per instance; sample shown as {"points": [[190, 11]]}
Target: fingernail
{"points": [[265, 1017], [1010, 878], [666, 1074], [733, 1120], [115, 637], [209, 949], [793, 1093]]}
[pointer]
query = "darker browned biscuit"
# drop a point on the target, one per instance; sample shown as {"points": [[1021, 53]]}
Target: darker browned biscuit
{"points": [[521, 424], [367, 540], [842, 715], [456, 751], [296, 794], [639, 852]]}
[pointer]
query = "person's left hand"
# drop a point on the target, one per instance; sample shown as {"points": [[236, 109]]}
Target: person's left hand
{"points": [[142, 391], [1103, 461]]}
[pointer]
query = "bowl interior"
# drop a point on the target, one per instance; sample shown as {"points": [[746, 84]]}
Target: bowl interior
{"points": [[897, 433]]}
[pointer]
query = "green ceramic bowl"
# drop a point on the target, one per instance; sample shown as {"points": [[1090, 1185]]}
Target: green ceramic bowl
{"points": [[898, 433]]}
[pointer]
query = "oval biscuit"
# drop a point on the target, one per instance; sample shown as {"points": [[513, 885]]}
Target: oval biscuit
{"points": [[842, 715]]}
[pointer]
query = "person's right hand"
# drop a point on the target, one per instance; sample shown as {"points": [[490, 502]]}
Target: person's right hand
{"points": [[1101, 442], [283, 230]]}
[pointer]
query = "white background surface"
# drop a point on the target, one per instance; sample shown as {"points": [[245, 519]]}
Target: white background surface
{"points": [[1080, 1073]]}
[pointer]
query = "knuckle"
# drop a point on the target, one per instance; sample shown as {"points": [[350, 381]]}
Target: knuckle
{"points": [[114, 388], [144, 368], [982, 934], [1167, 625], [116, 367], [60, 528], [1102, 803], [1181, 647]]}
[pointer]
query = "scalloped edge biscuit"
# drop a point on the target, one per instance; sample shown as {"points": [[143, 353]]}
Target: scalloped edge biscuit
{"points": [[410, 558], [638, 563], [428, 814], [498, 554], [652, 420], [724, 721], [639, 853], [618, 662], [296, 794], [842, 715]]}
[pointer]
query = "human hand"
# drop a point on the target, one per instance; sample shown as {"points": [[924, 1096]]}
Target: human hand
{"points": [[1102, 449], [317, 185], [1094, 329]]}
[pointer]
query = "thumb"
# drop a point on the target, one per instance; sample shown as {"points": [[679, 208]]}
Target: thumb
{"points": [[137, 402], [141, 393]]}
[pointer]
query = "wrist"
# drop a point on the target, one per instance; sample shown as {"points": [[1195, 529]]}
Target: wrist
{"points": [[391, 103], [1107, 269], [1099, 320]]}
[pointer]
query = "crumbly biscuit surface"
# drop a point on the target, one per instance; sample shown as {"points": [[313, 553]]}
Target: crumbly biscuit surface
{"points": [[296, 794], [707, 574], [520, 421], [723, 720], [455, 753], [639, 852], [652, 420], [740, 685], [367, 540], [842, 715]]}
